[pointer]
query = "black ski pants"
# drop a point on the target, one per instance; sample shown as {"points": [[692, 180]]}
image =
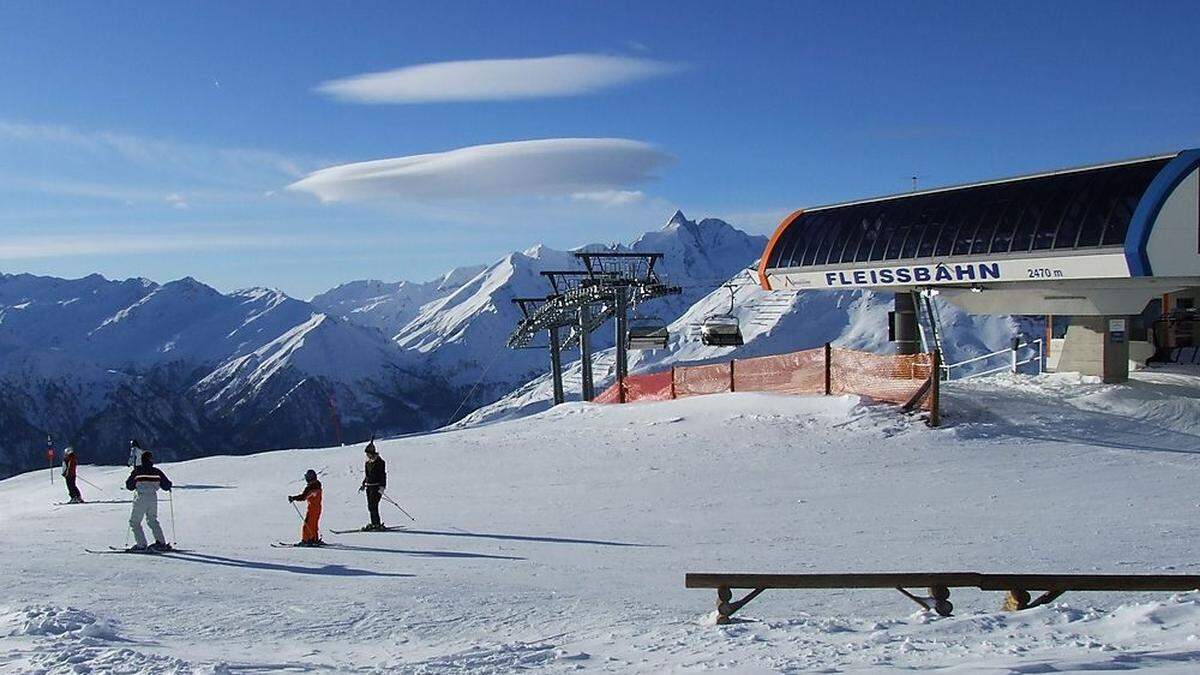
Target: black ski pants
{"points": [[72, 489], [374, 495]]}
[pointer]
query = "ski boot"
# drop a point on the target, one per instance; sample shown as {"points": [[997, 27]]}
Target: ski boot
{"points": [[160, 547]]}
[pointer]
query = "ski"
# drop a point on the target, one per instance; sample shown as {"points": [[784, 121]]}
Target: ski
{"points": [[106, 501], [390, 528], [284, 544], [114, 549]]}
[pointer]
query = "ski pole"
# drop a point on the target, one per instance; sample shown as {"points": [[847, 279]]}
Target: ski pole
{"points": [[92, 484], [297, 509], [393, 503], [171, 501]]}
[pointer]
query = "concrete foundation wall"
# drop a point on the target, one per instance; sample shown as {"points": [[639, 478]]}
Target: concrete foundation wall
{"points": [[1090, 349]]}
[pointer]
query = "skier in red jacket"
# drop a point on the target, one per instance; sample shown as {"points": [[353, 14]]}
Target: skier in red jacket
{"points": [[70, 463]]}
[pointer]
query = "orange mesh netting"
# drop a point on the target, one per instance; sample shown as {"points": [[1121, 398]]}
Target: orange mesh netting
{"points": [[648, 387], [699, 380], [795, 373], [610, 395], [894, 378], [644, 387]]}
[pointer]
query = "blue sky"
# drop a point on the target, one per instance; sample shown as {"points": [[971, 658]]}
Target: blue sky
{"points": [[159, 139]]}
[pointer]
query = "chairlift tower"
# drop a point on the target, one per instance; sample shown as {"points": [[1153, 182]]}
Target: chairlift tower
{"points": [[610, 284]]}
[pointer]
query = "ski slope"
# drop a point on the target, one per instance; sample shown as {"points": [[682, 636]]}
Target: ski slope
{"points": [[559, 542]]}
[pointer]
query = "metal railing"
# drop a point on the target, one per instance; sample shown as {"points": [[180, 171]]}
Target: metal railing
{"points": [[1014, 360]]}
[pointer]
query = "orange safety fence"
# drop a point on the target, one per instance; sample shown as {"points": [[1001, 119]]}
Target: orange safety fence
{"points": [[713, 378], [794, 373], [894, 378], [644, 387]]}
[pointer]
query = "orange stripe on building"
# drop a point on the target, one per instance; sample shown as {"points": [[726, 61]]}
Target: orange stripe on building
{"points": [[766, 256]]}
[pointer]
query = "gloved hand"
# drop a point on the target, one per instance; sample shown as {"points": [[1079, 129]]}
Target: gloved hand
{"points": [[290, 498], [362, 487]]}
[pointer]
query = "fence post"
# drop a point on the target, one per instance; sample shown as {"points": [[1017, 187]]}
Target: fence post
{"points": [[828, 368], [935, 372], [672, 383], [1016, 346], [731, 387]]}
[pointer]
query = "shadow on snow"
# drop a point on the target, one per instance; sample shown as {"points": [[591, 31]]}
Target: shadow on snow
{"points": [[324, 570], [519, 537], [431, 554]]}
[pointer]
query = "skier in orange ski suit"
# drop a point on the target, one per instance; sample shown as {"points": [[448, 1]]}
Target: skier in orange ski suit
{"points": [[310, 533]]}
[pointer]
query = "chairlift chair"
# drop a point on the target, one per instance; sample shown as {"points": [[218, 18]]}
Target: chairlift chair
{"points": [[646, 333], [721, 330]]}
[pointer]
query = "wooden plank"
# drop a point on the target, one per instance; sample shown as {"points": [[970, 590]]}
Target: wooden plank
{"points": [[987, 582], [864, 580], [1090, 582]]}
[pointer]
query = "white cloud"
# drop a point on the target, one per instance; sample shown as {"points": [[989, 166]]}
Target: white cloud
{"points": [[177, 201], [496, 79], [611, 197], [201, 160], [75, 244], [548, 167]]}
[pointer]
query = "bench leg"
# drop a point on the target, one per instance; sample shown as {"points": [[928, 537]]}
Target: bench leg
{"points": [[726, 609], [1016, 600], [940, 596], [1046, 598]]}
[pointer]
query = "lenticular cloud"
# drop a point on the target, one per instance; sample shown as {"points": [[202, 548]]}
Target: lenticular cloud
{"points": [[495, 79], [549, 167]]}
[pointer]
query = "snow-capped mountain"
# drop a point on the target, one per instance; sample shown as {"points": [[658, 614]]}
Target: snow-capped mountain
{"points": [[389, 306], [190, 371], [459, 335]]}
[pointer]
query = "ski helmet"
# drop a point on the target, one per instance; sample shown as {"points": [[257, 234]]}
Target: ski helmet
{"points": [[134, 444], [69, 451], [370, 449], [147, 458], [310, 475]]}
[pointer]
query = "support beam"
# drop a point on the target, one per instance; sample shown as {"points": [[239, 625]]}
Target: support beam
{"points": [[588, 385], [904, 324], [622, 309], [556, 365]]}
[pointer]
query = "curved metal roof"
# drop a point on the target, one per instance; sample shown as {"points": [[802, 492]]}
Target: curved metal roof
{"points": [[1072, 210]]}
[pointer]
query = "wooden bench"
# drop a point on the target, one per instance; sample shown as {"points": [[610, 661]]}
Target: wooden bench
{"points": [[1017, 586]]}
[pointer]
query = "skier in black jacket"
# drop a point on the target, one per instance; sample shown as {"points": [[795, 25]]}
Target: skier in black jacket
{"points": [[374, 483]]}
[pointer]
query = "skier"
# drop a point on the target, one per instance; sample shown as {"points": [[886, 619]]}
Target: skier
{"points": [[145, 481], [70, 462], [374, 483], [135, 453], [310, 533]]}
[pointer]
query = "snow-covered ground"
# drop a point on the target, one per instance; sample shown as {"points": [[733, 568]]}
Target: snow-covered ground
{"points": [[560, 541]]}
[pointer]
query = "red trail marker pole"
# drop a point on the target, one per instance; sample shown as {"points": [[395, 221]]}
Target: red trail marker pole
{"points": [[50, 457]]}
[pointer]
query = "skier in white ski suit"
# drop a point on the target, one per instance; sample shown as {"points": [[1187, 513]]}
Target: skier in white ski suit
{"points": [[145, 482], [135, 453]]}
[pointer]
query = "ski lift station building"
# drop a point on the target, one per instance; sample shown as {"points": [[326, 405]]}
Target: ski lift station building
{"points": [[1113, 247]]}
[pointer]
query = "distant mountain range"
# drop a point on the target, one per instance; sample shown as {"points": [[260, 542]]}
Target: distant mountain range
{"points": [[191, 371]]}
